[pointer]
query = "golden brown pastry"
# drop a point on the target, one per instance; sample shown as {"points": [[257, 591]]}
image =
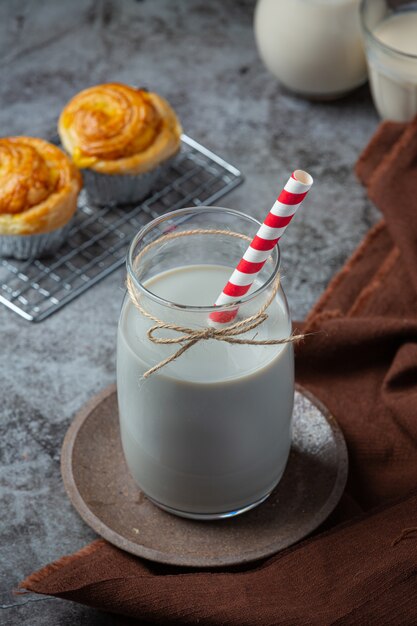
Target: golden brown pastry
{"points": [[116, 129], [39, 186]]}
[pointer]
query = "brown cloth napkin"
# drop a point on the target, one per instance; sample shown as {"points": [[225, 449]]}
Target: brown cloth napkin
{"points": [[362, 363]]}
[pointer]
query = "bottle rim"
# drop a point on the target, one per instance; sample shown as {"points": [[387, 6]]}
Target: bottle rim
{"points": [[182, 215]]}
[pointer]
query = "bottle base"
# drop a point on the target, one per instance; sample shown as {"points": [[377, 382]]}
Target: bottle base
{"points": [[210, 516], [325, 96]]}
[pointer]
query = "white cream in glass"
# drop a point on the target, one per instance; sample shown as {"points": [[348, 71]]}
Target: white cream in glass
{"points": [[209, 434], [391, 46]]}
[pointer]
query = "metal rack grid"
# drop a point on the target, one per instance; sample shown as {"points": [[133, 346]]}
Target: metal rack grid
{"points": [[98, 242]]}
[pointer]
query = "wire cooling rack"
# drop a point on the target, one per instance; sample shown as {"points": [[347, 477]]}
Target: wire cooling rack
{"points": [[99, 240]]}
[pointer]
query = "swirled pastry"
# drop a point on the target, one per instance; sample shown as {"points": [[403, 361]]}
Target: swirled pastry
{"points": [[116, 129], [39, 186]]}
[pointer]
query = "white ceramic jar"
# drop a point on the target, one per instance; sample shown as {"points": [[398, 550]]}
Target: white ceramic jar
{"points": [[313, 47]]}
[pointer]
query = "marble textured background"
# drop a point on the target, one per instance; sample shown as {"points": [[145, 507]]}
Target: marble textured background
{"points": [[201, 55]]}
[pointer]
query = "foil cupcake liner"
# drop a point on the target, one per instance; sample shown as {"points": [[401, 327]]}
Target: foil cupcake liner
{"points": [[111, 189], [24, 247]]}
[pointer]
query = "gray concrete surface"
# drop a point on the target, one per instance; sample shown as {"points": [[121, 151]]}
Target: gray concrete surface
{"points": [[201, 55]]}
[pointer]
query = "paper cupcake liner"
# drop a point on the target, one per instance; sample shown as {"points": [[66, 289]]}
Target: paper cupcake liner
{"points": [[110, 189], [24, 247]]}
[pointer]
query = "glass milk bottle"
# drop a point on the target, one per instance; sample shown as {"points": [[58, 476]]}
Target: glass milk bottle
{"points": [[390, 33], [313, 47], [208, 434]]}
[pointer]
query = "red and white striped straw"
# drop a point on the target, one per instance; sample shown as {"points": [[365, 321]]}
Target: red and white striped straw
{"points": [[264, 241]]}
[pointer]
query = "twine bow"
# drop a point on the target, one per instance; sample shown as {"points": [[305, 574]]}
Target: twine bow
{"points": [[188, 337]]}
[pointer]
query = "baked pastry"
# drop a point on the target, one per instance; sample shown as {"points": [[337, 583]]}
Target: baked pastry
{"points": [[119, 137], [39, 186]]}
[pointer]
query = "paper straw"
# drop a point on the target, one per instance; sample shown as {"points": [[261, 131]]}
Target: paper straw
{"points": [[264, 241]]}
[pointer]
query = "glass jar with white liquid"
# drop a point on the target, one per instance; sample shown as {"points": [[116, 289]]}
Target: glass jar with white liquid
{"points": [[207, 435], [390, 33]]}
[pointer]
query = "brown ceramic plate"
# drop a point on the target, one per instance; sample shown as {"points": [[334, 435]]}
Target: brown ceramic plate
{"points": [[101, 489]]}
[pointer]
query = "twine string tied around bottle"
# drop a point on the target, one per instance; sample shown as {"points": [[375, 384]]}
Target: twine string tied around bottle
{"points": [[188, 337]]}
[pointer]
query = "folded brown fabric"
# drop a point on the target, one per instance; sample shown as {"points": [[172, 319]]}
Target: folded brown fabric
{"points": [[361, 361], [362, 573], [378, 149], [392, 185]]}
